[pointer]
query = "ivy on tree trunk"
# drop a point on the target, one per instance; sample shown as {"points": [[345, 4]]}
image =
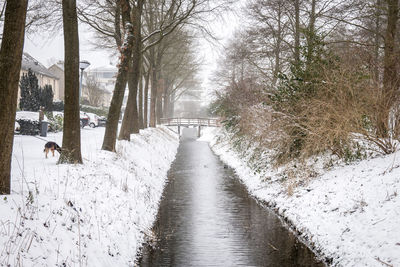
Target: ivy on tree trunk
{"points": [[110, 135]]}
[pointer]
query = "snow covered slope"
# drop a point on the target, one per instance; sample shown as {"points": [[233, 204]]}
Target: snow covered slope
{"points": [[95, 214], [350, 214]]}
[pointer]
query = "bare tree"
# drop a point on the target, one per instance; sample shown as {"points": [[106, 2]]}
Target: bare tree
{"points": [[130, 122], [140, 98], [10, 64], [146, 98], [165, 16], [71, 152], [296, 5], [162, 21], [104, 17], [268, 41], [94, 91], [391, 81], [40, 13], [179, 67], [110, 135]]}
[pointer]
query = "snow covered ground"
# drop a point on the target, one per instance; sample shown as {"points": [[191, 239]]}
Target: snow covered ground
{"points": [[95, 214], [349, 214], [28, 115]]}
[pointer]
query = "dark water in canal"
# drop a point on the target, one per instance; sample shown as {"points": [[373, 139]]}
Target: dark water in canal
{"points": [[207, 218]]}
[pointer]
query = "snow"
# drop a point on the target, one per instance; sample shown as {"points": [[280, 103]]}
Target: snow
{"points": [[349, 213], [28, 116], [95, 214]]}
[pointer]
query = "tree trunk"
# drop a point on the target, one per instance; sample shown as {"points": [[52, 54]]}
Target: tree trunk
{"points": [[146, 99], [156, 104], [153, 96], [71, 144], [171, 108], [10, 64], [377, 41], [311, 33], [165, 107], [114, 112], [166, 101], [297, 31], [140, 99], [171, 105], [277, 67], [159, 108], [130, 122], [390, 77]]}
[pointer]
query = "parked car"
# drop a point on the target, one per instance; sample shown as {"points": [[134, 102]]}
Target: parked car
{"points": [[93, 120], [102, 121]]}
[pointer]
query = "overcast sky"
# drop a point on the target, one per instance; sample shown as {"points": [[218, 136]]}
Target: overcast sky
{"points": [[50, 50], [46, 50]]}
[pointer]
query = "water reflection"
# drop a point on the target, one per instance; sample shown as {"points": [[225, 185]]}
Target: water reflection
{"points": [[206, 218]]}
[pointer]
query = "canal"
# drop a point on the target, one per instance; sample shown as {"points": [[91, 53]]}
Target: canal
{"points": [[207, 218]]}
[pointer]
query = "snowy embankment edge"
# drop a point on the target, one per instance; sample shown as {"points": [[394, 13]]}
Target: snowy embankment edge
{"points": [[348, 215], [95, 214]]}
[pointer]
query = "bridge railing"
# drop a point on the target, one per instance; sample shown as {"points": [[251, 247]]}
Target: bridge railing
{"points": [[209, 122]]}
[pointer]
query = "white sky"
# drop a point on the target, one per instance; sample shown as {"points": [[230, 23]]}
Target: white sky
{"points": [[48, 51]]}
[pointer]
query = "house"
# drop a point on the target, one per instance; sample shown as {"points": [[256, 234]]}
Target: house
{"points": [[58, 70], [106, 76], [45, 77]]}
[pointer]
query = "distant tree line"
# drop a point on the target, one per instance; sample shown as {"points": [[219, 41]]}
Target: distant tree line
{"points": [[157, 55]]}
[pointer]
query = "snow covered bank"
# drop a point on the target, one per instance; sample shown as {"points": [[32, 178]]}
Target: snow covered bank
{"points": [[95, 214], [350, 214]]}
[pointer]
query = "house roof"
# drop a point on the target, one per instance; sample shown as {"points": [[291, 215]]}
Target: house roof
{"points": [[59, 65], [28, 62]]}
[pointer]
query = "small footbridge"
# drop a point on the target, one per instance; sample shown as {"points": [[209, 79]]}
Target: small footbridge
{"points": [[191, 122]]}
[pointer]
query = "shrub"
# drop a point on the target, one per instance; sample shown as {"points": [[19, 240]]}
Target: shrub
{"points": [[58, 105], [30, 92], [46, 98], [99, 111], [56, 123], [335, 112], [28, 127]]}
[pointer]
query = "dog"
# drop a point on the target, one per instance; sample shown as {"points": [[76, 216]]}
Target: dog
{"points": [[51, 146]]}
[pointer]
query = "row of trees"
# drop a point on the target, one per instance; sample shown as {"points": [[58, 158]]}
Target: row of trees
{"points": [[157, 59], [310, 76], [155, 40]]}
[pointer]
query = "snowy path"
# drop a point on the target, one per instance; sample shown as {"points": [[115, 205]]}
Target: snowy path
{"points": [[94, 214], [206, 218]]}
